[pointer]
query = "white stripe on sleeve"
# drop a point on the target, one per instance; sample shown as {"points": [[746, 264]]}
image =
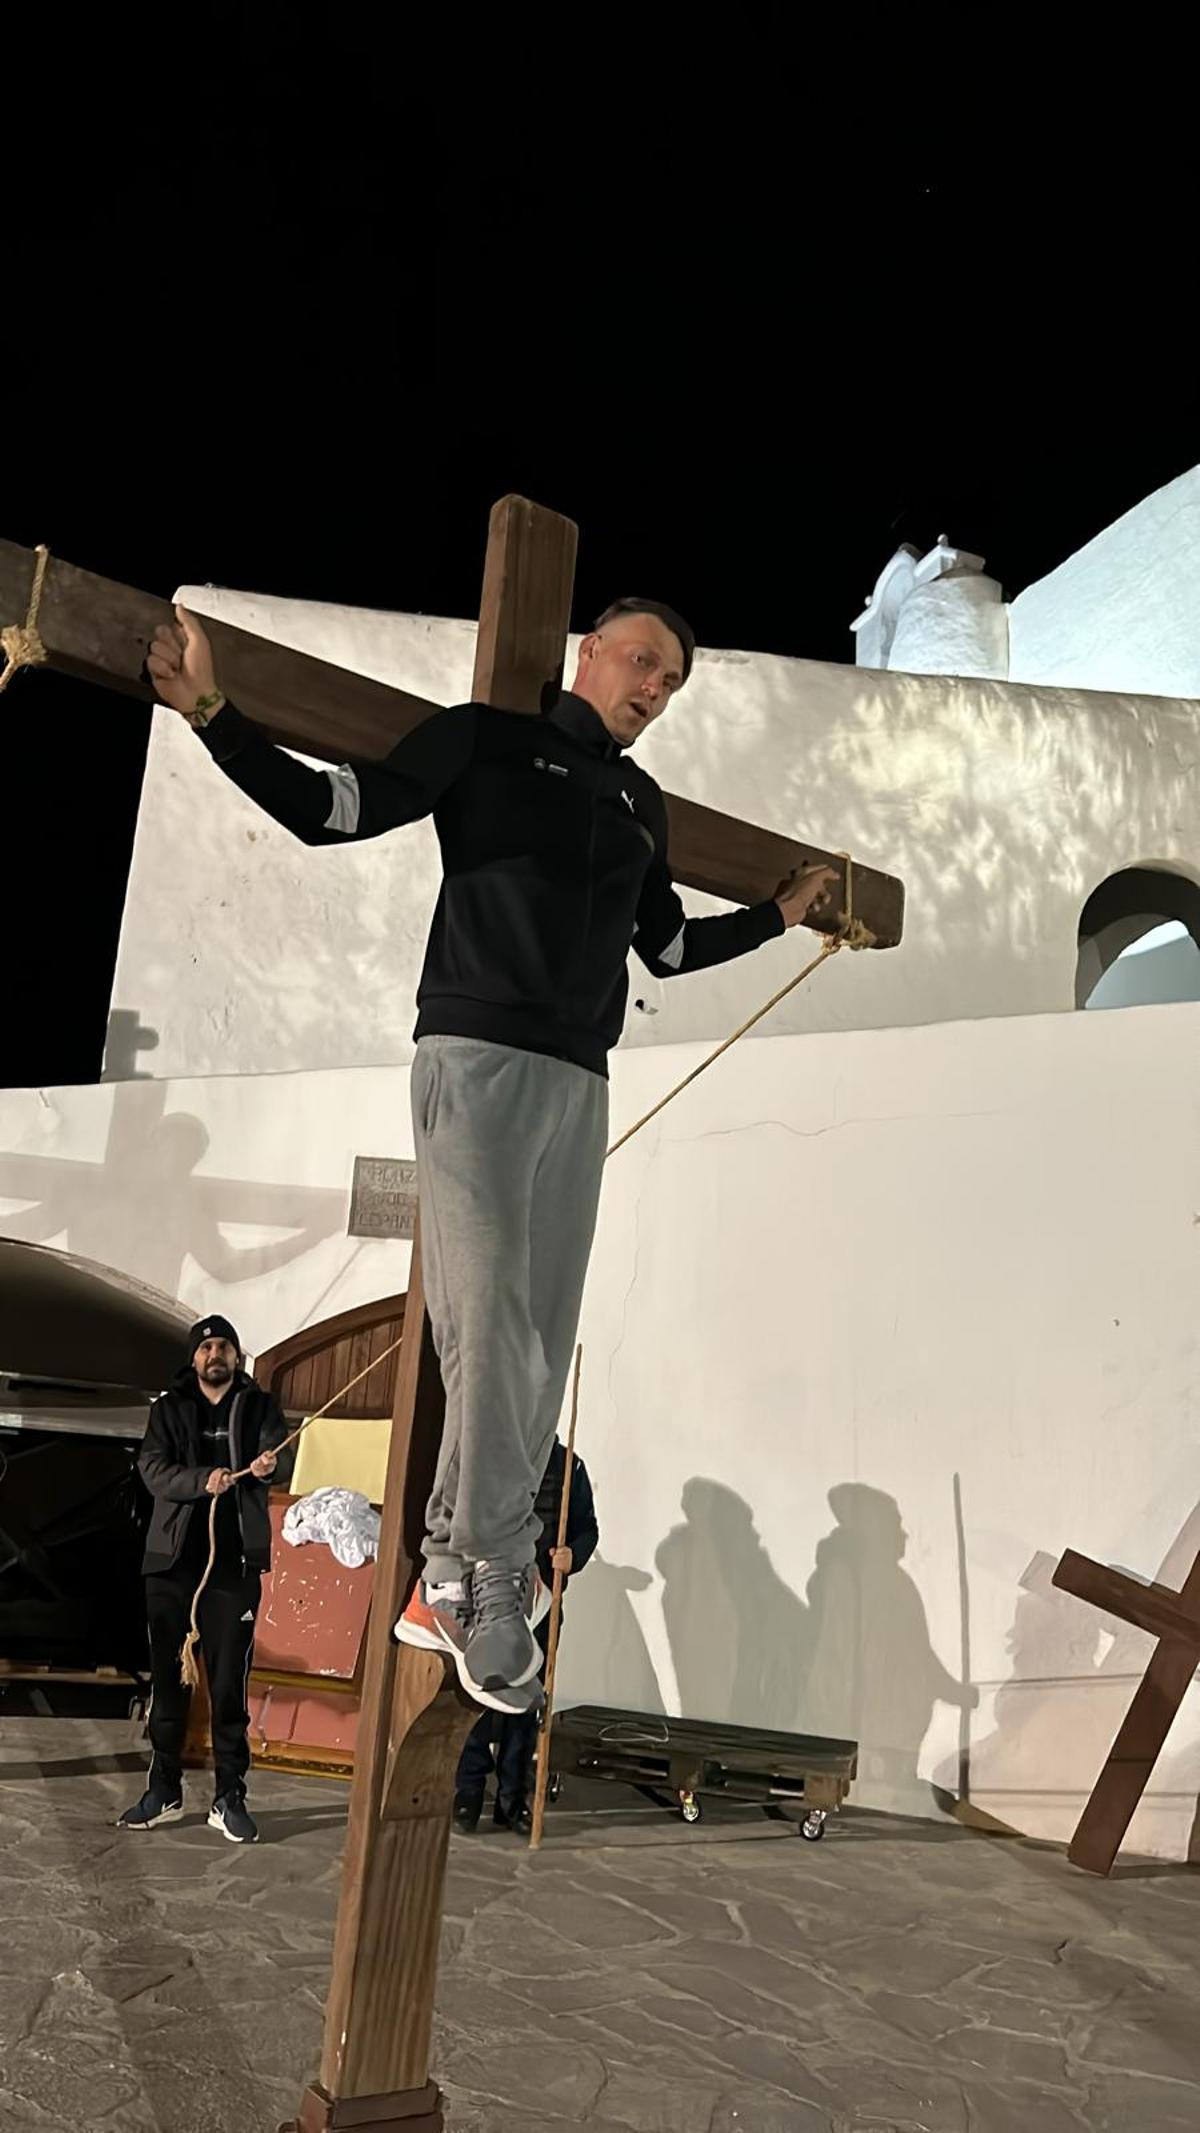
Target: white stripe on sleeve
{"points": [[344, 810]]}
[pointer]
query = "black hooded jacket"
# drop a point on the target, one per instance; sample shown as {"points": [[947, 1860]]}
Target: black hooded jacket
{"points": [[175, 1468], [554, 860], [583, 1531]]}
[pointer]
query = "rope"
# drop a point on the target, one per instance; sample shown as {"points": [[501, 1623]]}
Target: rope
{"points": [[22, 645], [851, 933], [189, 1669]]}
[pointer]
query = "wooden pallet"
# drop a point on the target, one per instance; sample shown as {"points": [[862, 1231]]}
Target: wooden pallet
{"points": [[31, 1675]]}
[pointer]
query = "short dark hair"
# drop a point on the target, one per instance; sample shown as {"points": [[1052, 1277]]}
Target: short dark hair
{"points": [[674, 622]]}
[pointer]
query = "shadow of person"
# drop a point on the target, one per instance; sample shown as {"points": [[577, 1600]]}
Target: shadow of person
{"points": [[1030, 1771], [604, 1657], [738, 1634], [874, 1676]]}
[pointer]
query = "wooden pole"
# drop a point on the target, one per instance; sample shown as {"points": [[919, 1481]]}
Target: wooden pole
{"points": [[379, 2014], [964, 1635], [556, 1592], [379, 2009]]}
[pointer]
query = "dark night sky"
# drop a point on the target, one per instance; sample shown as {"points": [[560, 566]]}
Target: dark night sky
{"points": [[287, 321]]}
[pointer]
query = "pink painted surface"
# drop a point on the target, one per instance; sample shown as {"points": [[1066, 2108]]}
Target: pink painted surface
{"points": [[291, 1717], [314, 1613]]}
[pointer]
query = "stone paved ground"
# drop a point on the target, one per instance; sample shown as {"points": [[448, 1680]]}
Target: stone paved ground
{"points": [[636, 1976]]}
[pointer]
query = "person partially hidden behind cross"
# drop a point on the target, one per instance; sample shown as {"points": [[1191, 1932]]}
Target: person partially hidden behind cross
{"points": [[507, 1743], [554, 859], [212, 1422]]}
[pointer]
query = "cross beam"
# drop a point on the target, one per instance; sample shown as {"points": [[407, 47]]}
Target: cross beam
{"points": [[1174, 1618], [99, 631]]}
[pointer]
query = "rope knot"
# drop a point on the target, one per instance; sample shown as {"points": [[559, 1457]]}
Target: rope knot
{"points": [[851, 932], [22, 645]]}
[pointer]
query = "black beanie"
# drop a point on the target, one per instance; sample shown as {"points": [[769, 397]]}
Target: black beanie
{"points": [[215, 1328]]}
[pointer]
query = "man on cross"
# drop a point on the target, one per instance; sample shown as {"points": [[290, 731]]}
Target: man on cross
{"points": [[554, 857]]}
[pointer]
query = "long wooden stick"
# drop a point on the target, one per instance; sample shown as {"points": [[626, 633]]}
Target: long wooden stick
{"points": [[556, 1591], [964, 1617]]}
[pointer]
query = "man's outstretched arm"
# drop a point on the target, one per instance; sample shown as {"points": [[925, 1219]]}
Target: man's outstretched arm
{"points": [[319, 806], [670, 943]]}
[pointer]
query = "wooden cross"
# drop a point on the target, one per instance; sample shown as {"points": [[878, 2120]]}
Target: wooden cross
{"points": [[1174, 1618], [374, 2071]]}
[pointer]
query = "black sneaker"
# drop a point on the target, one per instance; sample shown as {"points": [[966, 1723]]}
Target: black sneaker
{"points": [[467, 1810], [230, 1817], [518, 1817], [151, 1811]]}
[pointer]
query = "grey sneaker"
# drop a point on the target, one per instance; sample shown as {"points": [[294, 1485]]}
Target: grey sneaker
{"points": [[502, 1652], [152, 1810], [514, 1702]]}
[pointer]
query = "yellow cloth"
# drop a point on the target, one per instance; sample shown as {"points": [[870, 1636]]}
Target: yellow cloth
{"points": [[343, 1452]]}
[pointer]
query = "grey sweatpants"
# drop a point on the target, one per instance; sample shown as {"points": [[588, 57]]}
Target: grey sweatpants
{"points": [[510, 1147]]}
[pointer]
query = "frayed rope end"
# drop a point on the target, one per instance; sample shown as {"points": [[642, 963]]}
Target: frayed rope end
{"points": [[188, 1668]]}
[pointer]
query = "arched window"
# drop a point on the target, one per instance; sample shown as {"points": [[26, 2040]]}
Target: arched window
{"points": [[1139, 940]]}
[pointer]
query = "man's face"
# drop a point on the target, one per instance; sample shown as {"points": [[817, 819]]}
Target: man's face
{"points": [[215, 1362], [628, 673]]}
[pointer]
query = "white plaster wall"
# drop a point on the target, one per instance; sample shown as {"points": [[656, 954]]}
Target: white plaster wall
{"points": [[957, 624], [1124, 612], [1002, 807], [851, 1268], [232, 1194]]}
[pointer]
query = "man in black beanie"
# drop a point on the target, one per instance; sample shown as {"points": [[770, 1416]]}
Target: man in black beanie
{"points": [[213, 1421]]}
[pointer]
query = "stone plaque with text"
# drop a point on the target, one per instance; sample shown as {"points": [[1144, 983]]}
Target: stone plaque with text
{"points": [[383, 1197]]}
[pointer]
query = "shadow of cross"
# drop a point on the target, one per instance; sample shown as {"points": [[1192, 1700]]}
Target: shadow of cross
{"points": [[413, 1718], [1174, 1618], [145, 1201]]}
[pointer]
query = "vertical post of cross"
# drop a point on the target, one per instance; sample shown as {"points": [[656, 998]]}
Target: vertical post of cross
{"points": [[379, 2013]]}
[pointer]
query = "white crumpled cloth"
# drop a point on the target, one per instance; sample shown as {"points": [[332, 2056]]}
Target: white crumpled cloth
{"points": [[341, 1518]]}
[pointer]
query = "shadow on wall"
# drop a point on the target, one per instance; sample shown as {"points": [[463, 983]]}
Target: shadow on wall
{"points": [[855, 1662], [739, 1636], [125, 1037], [603, 1648], [1074, 1672], [953, 784], [143, 1209], [874, 1676]]}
